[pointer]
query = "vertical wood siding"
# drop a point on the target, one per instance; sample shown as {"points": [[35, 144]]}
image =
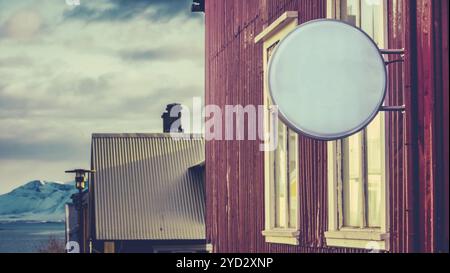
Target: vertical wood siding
{"points": [[396, 123], [432, 121], [426, 130], [235, 169], [443, 224]]}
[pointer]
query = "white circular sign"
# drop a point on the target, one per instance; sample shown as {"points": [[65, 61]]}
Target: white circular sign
{"points": [[328, 79]]}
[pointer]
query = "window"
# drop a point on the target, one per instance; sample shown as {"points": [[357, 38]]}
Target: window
{"points": [[357, 198], [281, 165]]}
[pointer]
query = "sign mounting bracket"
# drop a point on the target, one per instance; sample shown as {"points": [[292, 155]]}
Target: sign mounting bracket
{"points": [[393, 108], [392, 51], [400, 52]]}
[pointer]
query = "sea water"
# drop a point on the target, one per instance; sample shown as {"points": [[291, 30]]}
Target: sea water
{"points": [[28, 237]]}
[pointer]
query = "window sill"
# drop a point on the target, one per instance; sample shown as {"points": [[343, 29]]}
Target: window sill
{"points": [[282, 236], [358, 238]]}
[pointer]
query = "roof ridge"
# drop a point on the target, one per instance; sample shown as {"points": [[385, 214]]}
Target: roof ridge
{"points": [[147, 135]]}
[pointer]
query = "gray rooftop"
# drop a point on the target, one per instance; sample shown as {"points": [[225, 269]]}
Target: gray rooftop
{"points": [[145, 188]]}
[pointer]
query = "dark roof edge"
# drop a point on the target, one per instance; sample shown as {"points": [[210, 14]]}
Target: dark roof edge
{"points": [[197, 165], [148, 135]]}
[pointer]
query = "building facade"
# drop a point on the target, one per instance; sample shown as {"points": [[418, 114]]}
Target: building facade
{"points": [[147, 195], [385, 189]]}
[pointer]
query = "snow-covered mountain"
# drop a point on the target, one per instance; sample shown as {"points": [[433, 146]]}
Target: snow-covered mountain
{"points": [[36, 201]]}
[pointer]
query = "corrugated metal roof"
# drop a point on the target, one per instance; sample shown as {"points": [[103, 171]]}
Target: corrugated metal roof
{"points": [[143, 188]]}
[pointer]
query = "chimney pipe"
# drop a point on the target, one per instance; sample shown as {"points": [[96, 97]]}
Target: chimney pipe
{"points": [[170, 116]]}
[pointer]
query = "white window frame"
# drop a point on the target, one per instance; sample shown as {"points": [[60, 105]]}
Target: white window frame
{"points": [[270, 36], [337, 235]]}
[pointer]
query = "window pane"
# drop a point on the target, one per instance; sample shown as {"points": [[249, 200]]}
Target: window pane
{"points": [[369, 15], [350, 12], [281, 177], [352, 181], [375, 171], [372, 20], [293, 178], [373, 24]]}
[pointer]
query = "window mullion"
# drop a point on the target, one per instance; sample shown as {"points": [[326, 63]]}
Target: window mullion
{"points": [[360, 13], [288, 179], [364, 177], [286, 186], [273, 182], [337, 10], [339, 176]]}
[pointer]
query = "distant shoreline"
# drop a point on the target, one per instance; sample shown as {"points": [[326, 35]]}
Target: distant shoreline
{"points": [[22, 221]]}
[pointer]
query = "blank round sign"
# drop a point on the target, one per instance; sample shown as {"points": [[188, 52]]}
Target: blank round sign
{"points": [[328, 79]]}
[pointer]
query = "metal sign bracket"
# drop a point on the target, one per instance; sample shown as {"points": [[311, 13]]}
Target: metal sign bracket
{"points": [[393, 108], [400, 52]]}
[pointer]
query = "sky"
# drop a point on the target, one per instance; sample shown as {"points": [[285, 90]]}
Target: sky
{"points": [[104, 66]]}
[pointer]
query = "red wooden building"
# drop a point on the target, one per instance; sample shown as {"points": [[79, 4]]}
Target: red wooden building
{"points": [[386, 188]]}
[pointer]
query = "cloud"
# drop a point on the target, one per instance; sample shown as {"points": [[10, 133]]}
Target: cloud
{"points": [[52, 149], [161, 54], [155, 101], [22, 25], [17, 172], [15, 61], [111, 69], [81, 87], [123, 10]]}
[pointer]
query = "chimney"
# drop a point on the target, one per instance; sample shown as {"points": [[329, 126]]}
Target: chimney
{"points": [[198, 6], [170, 116]]}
